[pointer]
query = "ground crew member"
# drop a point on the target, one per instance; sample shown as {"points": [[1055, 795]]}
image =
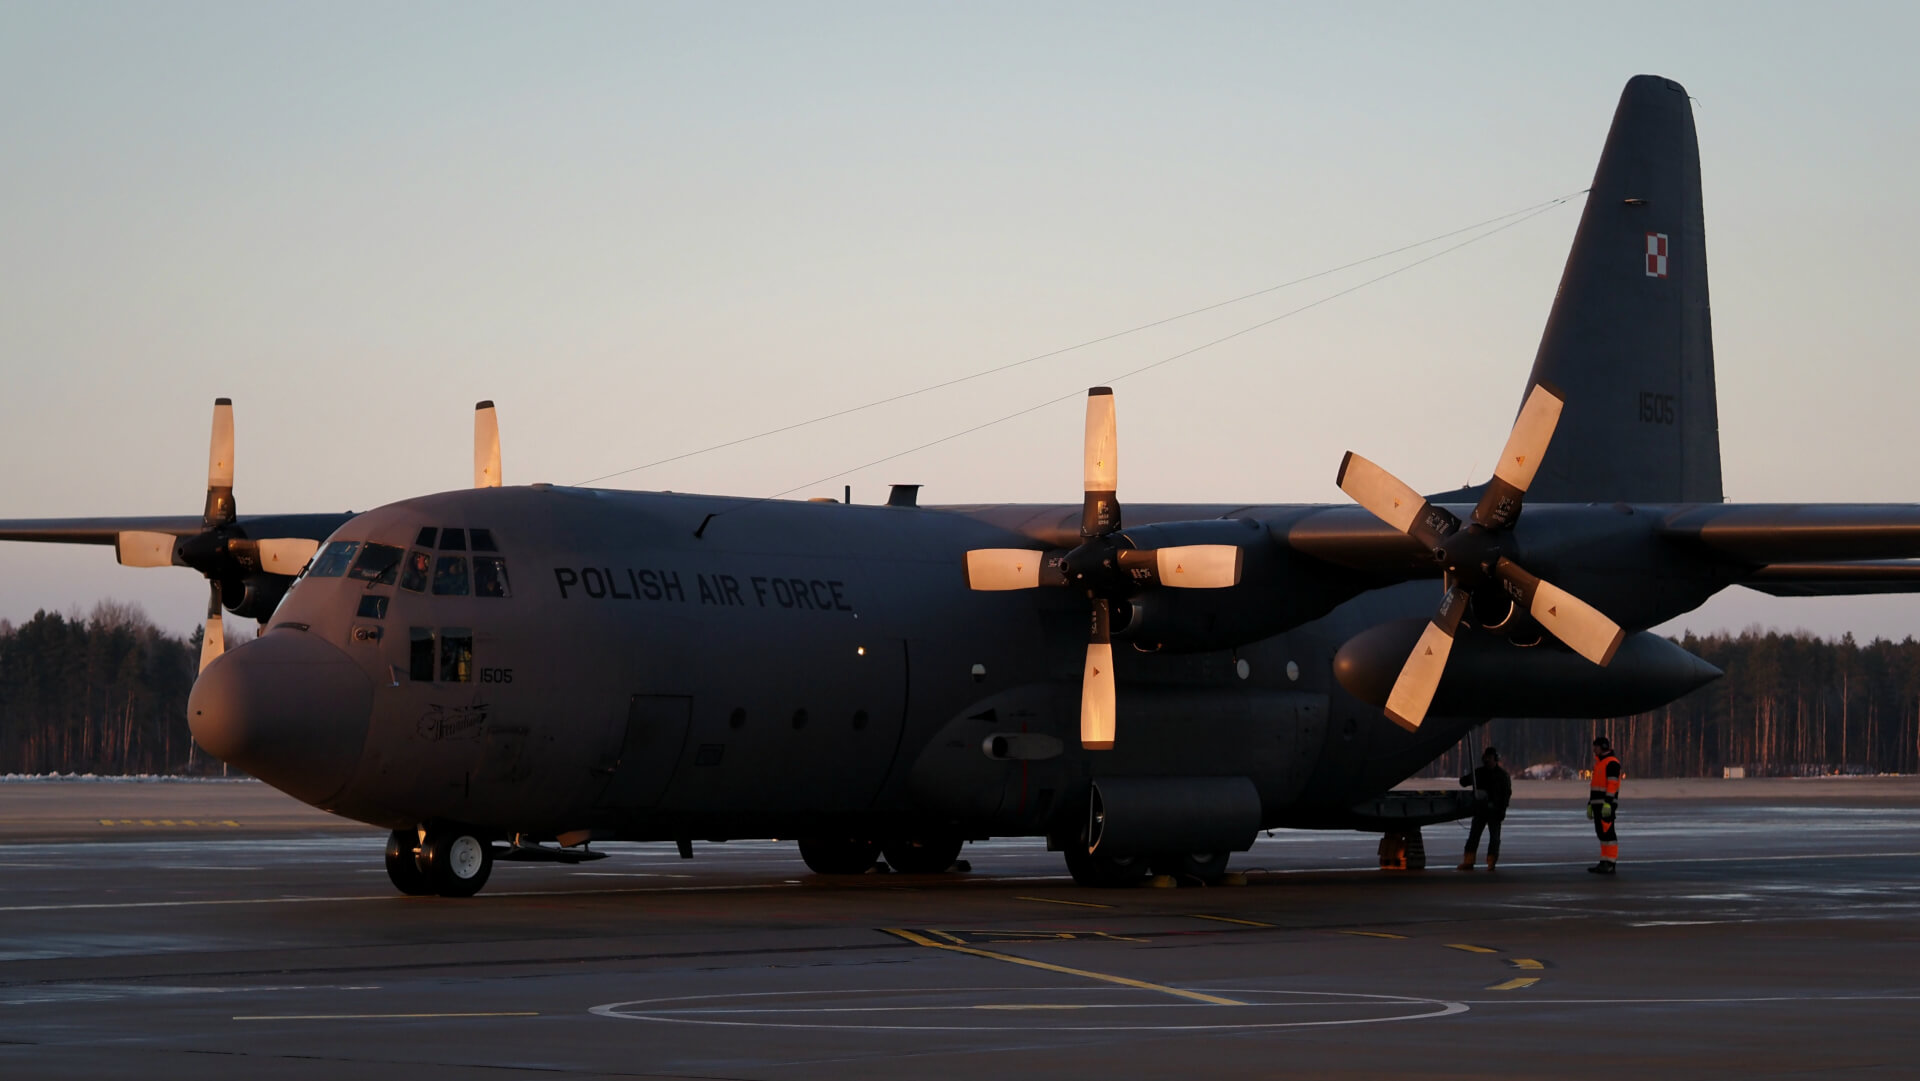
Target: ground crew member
{"points": [[1603, 803], [1493, 790]]}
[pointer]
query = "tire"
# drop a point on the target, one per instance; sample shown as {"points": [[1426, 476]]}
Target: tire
{"points": [[838, 855], [923, 857], [456, 864], [1102, 871], [403, 866], [1208, 867]]}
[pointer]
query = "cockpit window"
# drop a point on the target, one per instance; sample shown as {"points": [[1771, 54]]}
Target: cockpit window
{"points": [[489, 575], [419, 566], [425, 539], [333, 560], [482, 540], [450, 576], [453, 540], [378, 564]]}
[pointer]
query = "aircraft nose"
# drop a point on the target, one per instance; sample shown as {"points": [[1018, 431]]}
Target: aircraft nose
{"points": [[287, 708]]}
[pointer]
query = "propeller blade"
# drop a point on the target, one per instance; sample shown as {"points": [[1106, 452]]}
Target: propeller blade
{"points": [[1419, 678], [994, 569], [1100, 514], [220, 509], [1532, 430], [1096, 684], [214, 642], [486, 446], [1391, 501], [1585, 629], [1185, 566], [286, 555], [135, 548]]}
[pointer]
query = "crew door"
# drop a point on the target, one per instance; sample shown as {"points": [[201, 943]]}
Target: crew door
{"points": [[649, 749]]}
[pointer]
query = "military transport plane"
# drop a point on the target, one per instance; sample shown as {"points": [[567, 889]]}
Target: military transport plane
{"points": [[515, 672]]}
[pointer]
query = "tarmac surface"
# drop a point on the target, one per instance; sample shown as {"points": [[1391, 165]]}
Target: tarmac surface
{"points": [[1755, 930]]}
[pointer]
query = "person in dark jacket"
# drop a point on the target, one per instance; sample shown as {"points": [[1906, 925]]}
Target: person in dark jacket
{"points": [[1492, 791]]}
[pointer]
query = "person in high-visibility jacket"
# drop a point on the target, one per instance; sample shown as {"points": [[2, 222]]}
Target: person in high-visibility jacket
{"points": [[1603, 803]]}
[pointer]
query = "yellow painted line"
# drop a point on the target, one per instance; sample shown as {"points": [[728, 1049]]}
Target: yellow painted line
{"points": [[1469, 947], [106, 821], [1515, 984], [229, 822], [1227, 919], [168, 822], [375, 1016], [1526, 963], [1373, 934], [146, 821], [1022, 1006], [1057, 901], [1124, 981], [948, 937]]}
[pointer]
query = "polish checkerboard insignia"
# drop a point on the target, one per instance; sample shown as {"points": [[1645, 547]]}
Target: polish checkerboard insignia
{"points": [[1656, 255]]}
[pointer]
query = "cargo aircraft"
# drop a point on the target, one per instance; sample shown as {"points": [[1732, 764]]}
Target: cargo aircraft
{"points": [[514, 672]]}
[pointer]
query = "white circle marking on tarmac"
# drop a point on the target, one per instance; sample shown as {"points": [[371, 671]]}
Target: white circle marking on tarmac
{"points": [[680, 1010]]}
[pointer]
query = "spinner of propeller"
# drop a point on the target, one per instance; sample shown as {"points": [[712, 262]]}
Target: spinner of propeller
{"points": [[1105, 566], [224, 553], [1472, 559]]}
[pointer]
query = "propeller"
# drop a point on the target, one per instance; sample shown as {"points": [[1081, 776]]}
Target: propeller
{"points": [[1473, 560], [1105, 565], [486, 446], [221, 550]]}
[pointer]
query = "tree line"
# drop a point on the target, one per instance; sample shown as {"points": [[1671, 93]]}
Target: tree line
{"points": [[1789, 705], [107, 694]]}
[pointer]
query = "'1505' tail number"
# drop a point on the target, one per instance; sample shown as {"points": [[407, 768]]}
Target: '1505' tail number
{"points": [[496, 675]]}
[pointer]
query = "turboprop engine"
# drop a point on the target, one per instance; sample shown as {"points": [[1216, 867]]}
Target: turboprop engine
{"points": [[1490, 676]]}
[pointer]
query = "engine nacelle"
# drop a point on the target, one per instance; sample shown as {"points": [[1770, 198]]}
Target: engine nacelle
{"points": [[1147, 816], [1488, 676]]}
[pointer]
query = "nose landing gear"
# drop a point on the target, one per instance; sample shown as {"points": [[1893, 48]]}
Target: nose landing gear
{"points": [[449, 862]]}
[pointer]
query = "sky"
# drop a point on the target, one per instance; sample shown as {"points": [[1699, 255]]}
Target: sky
{"points": [[644, 229]]}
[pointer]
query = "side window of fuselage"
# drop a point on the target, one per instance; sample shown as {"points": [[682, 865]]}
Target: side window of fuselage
{"points": [[456, 655], [420, 654]]}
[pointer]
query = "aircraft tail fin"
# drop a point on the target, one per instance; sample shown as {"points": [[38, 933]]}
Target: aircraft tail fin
{"points": [[1629, 341]]}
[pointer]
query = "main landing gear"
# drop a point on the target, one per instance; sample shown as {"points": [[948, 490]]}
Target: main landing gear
{"points": [[1103, 870], [855, 856], [446, 861]]}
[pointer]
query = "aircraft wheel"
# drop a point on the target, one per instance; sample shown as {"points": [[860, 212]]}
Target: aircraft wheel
{"points": [[403, 866], [1104, 871], [454, 863], [1208, 867], [838, 855], [922, 856]]}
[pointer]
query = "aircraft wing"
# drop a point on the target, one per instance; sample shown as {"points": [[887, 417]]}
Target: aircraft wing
{"points": [[94, 530], [316, 527]]}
